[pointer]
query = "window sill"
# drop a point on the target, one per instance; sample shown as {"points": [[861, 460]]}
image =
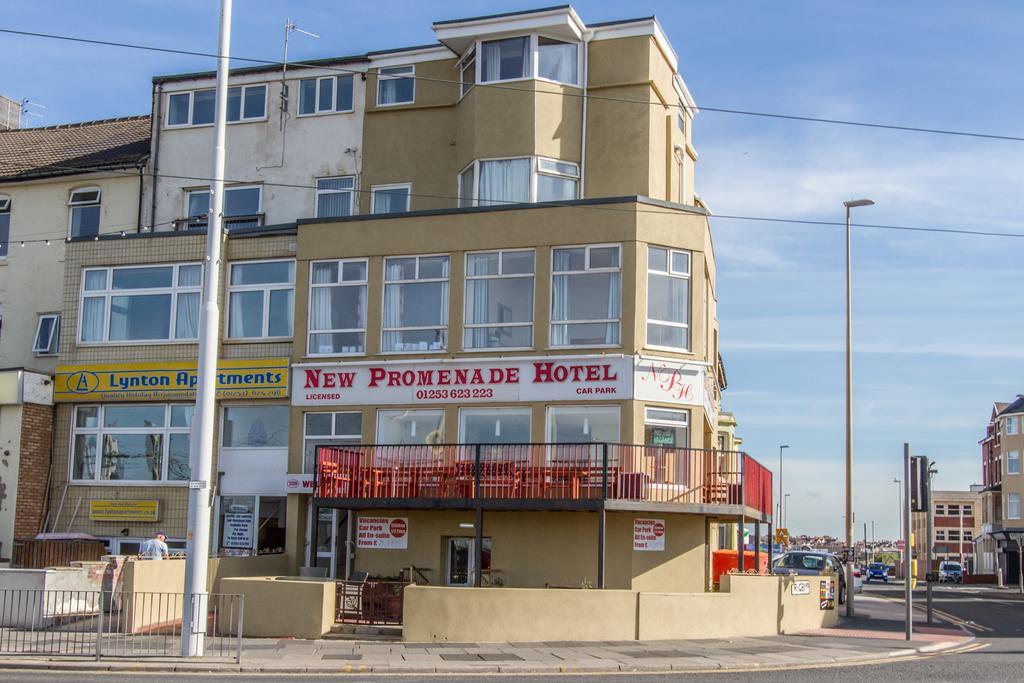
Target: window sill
{"points": [[395, 104], [670, 349], [315, 114], [184, 126], [136, 484], [584, 346], [156, 342], [256, 340], [417, 352], [499, 349], [357, 354]]}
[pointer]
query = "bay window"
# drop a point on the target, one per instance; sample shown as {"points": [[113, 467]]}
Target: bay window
{"points": [[84, 212], [585, 296], [334, 196], [668, 298], [415, 304], [396, 85], [1013, 462], [467, 72], [557, 61], [505, 60], [337, 307], [131, 443], [325, 95], [522, 57], [260, 299], [520, 180], [140, 303], [329, 429], [499, 300]]}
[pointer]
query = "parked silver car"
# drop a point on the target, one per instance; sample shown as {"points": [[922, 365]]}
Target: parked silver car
{"points": [[811, 563]]}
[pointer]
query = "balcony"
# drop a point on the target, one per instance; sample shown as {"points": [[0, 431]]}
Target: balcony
{"points": [[199, 222], [544, 476]]}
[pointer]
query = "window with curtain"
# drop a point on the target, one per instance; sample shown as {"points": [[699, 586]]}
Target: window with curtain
{"points": [[337, 307], [325, 95], [586, 296], [1013, 506], [329, 429], [140, 303], [467, 186], [396, 85], [557, 61], [5, 224], [131, 443], [499, 300], [334, 196], [668, 298], [503, 60], [415, 314], [504, 181], [390, 198], [261, 297], [556, 180], [84, 212]]}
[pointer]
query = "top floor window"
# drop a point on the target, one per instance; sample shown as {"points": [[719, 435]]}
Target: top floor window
{"points": [[531, 56], [390, 198], [5, 224], [140, 303], [467, 71], [84, 212], [396, 85], [1011, 425], [325, 95], [197, 107]]}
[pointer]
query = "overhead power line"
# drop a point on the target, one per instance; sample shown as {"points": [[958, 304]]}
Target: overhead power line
{"points": [[499, 86]]}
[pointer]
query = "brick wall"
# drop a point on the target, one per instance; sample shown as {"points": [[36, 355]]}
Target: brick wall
{"points": [[33, 469]]}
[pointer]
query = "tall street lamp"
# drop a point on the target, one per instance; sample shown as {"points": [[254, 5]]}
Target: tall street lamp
{"points": [[781, 521], [853, 203]]}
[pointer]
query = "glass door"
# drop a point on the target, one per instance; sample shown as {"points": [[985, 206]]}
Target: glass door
{"points": [[460, 563]]}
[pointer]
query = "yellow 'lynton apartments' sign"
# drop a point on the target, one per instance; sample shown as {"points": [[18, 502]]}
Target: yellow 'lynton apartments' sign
{"points": [[124, 510], [169, 381]]}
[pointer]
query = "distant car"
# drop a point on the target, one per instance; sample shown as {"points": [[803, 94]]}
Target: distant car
{"points": [[858, 579], [951, 572], [810, 563], [878, 570]]}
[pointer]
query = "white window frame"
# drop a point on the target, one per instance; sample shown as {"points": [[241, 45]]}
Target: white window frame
{"points": [[586, 269], [332, 439], [364, 283], [554, 410], [73, 204], [670, 273], [390, 77], [165, 431], [1010, 497], [175, 290], [266, 288], [500, 276], [1011, 425], [5, 210], [498, 410], [940, 509], [1012, 457], [968, 509], [940, 534], [534, 48], [317, 111], [417, 280], [50, 348], [203, 220], [241, 108], [467, 63], [352, 204], [682, 421], [392, 186], [535, 173]]}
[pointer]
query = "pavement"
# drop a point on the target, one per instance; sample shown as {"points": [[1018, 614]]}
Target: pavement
{"points": [[875, 635]]}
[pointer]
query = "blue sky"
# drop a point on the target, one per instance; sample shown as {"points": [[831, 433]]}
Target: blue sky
{"points": [[939, 319]]}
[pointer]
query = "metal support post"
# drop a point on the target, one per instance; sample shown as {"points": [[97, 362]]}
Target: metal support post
{"points": [[99, 625], [601, 526], [741, 556], [757, 545], [908, 594], [314, 535], [928, 545], [478, 544], [193, 623]]}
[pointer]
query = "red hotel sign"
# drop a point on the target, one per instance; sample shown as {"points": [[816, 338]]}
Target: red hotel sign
{"points": [[555, 378]]}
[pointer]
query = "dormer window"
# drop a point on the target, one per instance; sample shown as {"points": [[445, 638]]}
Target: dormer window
{"points": [[523, 57]]}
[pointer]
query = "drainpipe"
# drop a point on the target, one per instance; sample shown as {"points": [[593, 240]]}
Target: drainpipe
{"points": [[138, 213], [588, 35], [158, 96]]}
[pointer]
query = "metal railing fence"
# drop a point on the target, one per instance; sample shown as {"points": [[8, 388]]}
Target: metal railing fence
{"points": [[370, 602], [114, 624]]}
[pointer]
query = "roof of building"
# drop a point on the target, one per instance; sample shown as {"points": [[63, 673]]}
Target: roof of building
{"points": [[502, 15], [268, 66], [1016, 407], [68, 149]]}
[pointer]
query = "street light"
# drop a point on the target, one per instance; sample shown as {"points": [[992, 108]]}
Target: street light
{"points": [[781, 521], [853, 203]]}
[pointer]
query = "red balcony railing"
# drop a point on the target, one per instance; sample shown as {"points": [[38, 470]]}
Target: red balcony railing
{"points": [[544, 472]]}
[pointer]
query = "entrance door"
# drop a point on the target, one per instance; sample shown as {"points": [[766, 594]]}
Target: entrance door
{"points": [[332, 536], [460, 561]]}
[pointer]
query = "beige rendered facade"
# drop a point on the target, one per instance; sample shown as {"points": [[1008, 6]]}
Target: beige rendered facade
{"points": [[1002, 528]]}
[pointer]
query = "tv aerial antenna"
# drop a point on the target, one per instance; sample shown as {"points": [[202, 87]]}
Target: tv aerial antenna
{"points": [[289, 27]]}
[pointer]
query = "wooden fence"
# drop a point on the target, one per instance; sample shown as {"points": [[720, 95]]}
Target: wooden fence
{"points": [[32, 554]]}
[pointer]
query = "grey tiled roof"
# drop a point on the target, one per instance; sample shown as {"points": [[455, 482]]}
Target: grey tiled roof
{"points": [[73, 148]]}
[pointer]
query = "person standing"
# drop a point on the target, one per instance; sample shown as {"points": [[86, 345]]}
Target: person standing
{"points": [[155, 548]]}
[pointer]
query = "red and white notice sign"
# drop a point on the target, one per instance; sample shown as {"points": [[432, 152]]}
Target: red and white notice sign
{"points": [[648, 534], [554, 378], [382, 533]]}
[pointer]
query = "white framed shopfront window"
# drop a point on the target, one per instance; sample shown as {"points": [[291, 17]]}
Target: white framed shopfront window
{"points": [[583, 424], [261, 297], [410, 427], [251, 525], [499, 308], [495, 425], [131, 444], [415, 314], [140, 304], [337, 307], [586, 295]]}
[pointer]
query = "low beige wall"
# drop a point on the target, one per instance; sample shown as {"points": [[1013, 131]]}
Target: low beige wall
{"points": [[748, 606], [278, 607], [168, 576], [516, 614]]}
